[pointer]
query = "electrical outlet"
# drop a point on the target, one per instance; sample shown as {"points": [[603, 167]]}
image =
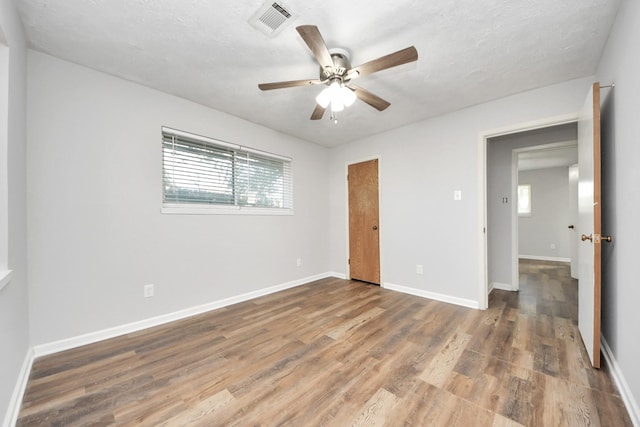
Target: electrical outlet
{"points": [[419, 269], [457, 195], [299, 262], [552, 246], [148, 291]]}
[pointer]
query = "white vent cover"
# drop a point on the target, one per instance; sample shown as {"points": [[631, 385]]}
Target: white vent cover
{"points": [[271, 18]]}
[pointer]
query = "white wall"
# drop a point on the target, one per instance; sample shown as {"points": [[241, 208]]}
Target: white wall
{"points": [[4, 137], [620, 64], [96, 234], [550, 214], [420, 167], [502, 267], [14, 321]]}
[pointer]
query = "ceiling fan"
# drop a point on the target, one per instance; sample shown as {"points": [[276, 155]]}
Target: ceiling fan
{"points": [[336, 72]]}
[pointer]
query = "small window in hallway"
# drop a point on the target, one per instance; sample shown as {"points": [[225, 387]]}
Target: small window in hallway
{"points": [[524, 200]]}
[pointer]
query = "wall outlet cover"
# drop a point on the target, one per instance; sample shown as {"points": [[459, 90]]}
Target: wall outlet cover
{"points": [[148, 291]]}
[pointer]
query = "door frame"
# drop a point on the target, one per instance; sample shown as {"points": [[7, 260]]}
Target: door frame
{"points": [[515, 219], [483, 139], [380, 216]]}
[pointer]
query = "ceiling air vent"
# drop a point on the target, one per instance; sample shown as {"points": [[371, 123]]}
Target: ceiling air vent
{"points": [[271, 18]]}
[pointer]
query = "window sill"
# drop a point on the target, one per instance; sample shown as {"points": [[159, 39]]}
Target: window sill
{"points": [[222, 210], [5, 278]]}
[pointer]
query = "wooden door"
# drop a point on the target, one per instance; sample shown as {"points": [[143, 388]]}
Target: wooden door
{"points": [[589, 224], [364, 236]]}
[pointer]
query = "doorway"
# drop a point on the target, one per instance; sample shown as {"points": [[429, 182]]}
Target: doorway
{"points": [[587, 123], [364, 219], [499, 262], [544, 217], [551, 146]]}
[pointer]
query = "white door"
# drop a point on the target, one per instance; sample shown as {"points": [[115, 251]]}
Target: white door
{"points": [[572, 227], [589, 222]]}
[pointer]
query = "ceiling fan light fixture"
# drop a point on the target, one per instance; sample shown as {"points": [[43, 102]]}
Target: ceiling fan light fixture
{"points": [[337, 105], [348, 96], [324, 98], [337, 72], [336, 94]]}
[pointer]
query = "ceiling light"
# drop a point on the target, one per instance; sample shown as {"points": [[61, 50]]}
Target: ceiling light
{"points": [[337, 95], [348, 96]]}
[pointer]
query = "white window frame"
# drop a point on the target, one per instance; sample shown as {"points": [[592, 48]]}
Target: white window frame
{"points": [[524, 209], [228, 209]]}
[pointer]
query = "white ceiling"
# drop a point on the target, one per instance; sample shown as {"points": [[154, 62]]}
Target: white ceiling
{"points": [[544, 158], [470, 52]]}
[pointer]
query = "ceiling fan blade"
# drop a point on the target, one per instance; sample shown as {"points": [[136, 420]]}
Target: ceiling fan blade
{"points": [[292, 83], [312, 37], [318, 112], [374, 100], [400, 57]]}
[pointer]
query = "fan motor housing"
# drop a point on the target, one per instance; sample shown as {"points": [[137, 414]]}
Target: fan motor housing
{"points": [[341, 63]]}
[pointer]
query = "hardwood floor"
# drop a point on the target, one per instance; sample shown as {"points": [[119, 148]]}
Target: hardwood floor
{"points": [[340, 353]]}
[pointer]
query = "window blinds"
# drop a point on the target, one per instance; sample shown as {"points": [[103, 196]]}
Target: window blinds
{"points": [[203, 171]]}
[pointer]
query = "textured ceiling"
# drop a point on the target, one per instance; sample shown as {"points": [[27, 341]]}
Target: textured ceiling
{"points": [[548, 158], [470, 52]]}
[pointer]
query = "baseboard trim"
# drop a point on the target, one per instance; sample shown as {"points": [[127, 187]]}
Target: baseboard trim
{"points": [[337, 275], [621, 383], [544, 258], [92, 337], [432, 295], [501, 286], [11, 417]]}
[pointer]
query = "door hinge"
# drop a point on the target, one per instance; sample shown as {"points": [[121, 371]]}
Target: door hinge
{"points": [[349, 261]]}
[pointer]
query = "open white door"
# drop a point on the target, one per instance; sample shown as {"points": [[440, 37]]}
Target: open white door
{"points": [[574, 237], [589, 224]]}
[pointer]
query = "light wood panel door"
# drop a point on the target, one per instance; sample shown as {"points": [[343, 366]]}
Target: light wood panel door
{"points": [[364, 232], [589, 224]]}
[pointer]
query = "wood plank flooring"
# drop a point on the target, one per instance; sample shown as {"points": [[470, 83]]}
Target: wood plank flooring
{"points": [[339, 353]]}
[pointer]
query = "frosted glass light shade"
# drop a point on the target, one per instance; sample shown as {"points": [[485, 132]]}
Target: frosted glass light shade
{"points": [[348, 96], [337, 105], [337, 95], [323, 99]]}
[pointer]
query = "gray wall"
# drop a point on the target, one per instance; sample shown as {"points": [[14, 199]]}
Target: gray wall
{"points": [[620, 64], [550, 214], [96, 233], [14, 321], [500, 184], [421, 166]]}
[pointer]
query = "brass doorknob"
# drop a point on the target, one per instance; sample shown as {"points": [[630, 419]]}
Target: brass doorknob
{"points": [[375, 227], [585, 237], [607, 239]]}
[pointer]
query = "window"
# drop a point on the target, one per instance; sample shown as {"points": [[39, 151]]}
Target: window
{"points": [[201, 174], [524, 200]]}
